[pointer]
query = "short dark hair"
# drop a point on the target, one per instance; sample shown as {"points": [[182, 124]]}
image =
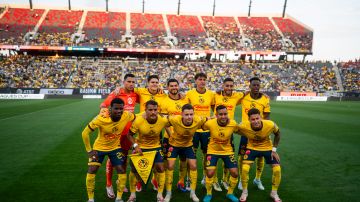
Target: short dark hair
{"points": [[201, 74], [228, 79], [117, 101], [253, 111], [187, 107], [129, 75], [151, 102], [152, 77], [172, 80], [255, 78], [220, 107]]}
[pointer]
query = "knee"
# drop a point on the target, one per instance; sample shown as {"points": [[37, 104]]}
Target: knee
{"points": [[92, 169], [276, 169], [120, 169], [160, 169], [234, 174]]}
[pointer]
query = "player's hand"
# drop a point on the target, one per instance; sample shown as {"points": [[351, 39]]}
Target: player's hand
{"points": [[276, 156], [104, 112], [144, 115], [117, 91], [93, 155], [138, 151]]}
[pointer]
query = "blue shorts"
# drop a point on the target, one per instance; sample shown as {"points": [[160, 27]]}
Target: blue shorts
{"points": [[242, 145], [117, 157], [174, 152], [250, 156], [201, 138], [159, 156], [229, 161]]}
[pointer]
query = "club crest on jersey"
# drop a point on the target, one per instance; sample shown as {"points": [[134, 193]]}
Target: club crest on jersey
{"points": [[201, 100], [130, 101], [143, 163], [225, 99], [252, 105], [178, 106], [221, 134]]}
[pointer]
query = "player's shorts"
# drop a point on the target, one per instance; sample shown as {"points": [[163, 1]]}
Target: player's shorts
{"points": [[124, 141], [250, 156], [165, 145], [242, 145], [174, 152], [201, 138], [159, 156], [212, 159], [116, 157]]}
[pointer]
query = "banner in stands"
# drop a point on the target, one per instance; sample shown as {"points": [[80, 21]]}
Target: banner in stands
{"points": [[94, 91], [20, 90], [21, 96], [53, 91], [91, 96], [301, 98], [297, 93]]}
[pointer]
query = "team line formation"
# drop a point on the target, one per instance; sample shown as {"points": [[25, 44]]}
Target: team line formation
{"points": [[188, 124]]}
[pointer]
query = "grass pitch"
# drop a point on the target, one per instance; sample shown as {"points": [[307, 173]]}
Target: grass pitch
{"points": [[43, 158]]}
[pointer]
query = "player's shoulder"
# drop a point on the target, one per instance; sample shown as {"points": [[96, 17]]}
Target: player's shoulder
{"points": [[232, 122], [265, 97], [268, 123]]}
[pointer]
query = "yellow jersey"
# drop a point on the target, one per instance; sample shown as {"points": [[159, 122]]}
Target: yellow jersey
{"points": [[182, 135], [145, 95], [220, 137], [149, 135], [109, 131], [259, 140], [172, 107], [201, 102], [230, 102], [262, 104]]}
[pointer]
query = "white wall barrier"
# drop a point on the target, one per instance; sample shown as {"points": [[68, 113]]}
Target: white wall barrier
{"points": [[301, 98], [22, 96]]}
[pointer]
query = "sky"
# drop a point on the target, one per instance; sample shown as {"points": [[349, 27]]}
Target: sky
{"points": [[336, 23]]}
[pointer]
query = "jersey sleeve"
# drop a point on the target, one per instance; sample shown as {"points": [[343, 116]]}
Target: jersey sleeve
{"points": [[276, 128], [267, 106], [87, 131], [205, 126]]}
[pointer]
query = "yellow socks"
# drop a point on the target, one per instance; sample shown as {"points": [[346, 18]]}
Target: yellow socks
{"points": [[161, 181], [232, 184], [182, 171], [240, 163], [276, 178], [132, 182], [90, 185], [193, 179], [121, 185], [245, 176], [260, 161], [169, 179], [209, 182]]}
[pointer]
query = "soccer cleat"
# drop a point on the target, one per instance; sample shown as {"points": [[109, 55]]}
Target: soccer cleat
{"points": [[160, 198], [243, 196], [180, 185], [258, 184], [207, 198], [203, 181], [110, 192], [167, 197], [274, 195], [155, 184], [138, 187], [216, 186], [225, 184], [187, 184], [194, 198], [119, 200], [132, 198], [232, 197], [91, 200], [240, 186], [126, 190]]}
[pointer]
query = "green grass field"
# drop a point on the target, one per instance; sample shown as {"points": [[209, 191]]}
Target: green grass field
{"points": [[43, 157]]}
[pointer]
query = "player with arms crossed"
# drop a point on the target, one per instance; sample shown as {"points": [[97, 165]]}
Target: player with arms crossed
{"points": [[107, 144], [258, 132]]}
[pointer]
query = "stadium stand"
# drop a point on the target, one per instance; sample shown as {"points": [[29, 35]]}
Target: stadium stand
{"points": [[149, 30], [261, 32], [298, 34], [188, 30], [224, 30], [16, 22], [58, 27], [350, 73], [104, 29]]}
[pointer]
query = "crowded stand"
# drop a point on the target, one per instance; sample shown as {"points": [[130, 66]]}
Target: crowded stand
{"points": [[350, 74]]}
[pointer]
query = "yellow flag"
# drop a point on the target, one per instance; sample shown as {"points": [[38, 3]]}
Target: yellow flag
{"points": [[143, 164]]}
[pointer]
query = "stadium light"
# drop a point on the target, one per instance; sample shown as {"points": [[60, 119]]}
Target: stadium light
{"points": [[249, 8], [214, 8], [283, 15], [107, 5], [30, 2], [69, 5], [143, 6], [179, 7]]}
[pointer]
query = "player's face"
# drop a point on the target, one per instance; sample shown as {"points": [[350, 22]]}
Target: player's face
{"points": [[222, 116], [255, 86], [151, 112], [116, 111], [129, 83], [173, 88], [153, 84], [255, 121], [187, 116], [228, 87], [200, 82]]}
